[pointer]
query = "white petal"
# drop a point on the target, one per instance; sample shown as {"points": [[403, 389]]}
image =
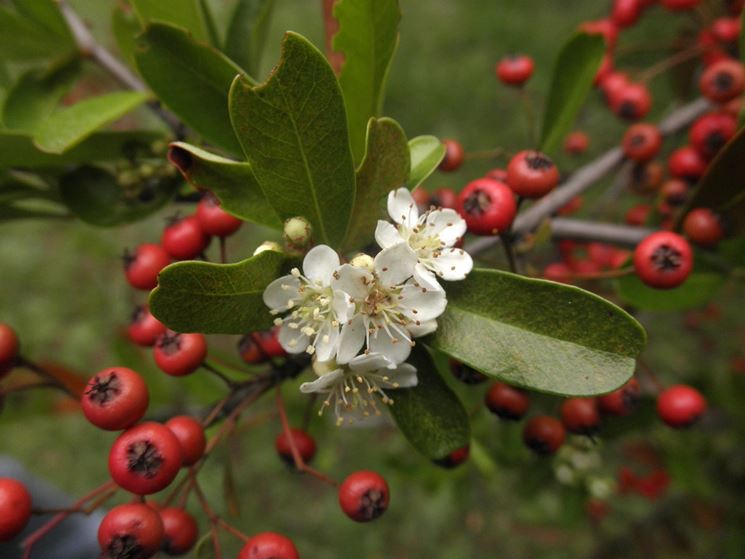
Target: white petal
{"points": [[447, 225], [422, 329], [402, 208], [395, 265], [342, 306], [322, 383], [352, 280], [420, 305], [351, 340], [292, 340], [404, 375], [278, 293], [326, 343], [452, 264], [370, 362], [319, 264], [425, 278], [396, 349], [387, 235]]}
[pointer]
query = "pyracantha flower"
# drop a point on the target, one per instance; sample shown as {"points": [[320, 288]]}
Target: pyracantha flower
{"points": [[431, 236]]}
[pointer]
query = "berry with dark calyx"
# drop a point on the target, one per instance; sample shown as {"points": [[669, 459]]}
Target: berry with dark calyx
{"points": [[145, 459], [304, 443], [180, 531], [454, 155], [455, 458], [620, 402], [674, 193], [625, 13], [499, 175], [663, 260], [15, 508], [722, 81], [711, 132], [679, 5], [703, 227], [179, 354], [213, 220], [531, 174], [466, 374], [680, 405], [515, 69], [641, 142], [686, 163], [443, 198], [638, 214], [604, 27], [9, 348], [131, 531], [115, 399], [364, 496], [190, 435], [632, 102], [544, 434], [268, 545], [576, 143], [507, 402], [580, 416], [144, 329], [559, 272], [143, 266], [488, 206], [184, 239]]}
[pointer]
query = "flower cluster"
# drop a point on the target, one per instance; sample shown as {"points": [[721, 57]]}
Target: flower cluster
{"points": [[359, 319]]}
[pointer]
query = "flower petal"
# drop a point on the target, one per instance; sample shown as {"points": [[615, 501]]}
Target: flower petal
{"points": [[404, 376], [452, 264], [424, 328], [370, 362], [342, 305], [402, 208], [292, 340], [352, 280], [386, 235], [319, 264], [328, 336], [323, 383], [278, 293], [446, 224], [420, 305], [351, 340], [425, 278], [396, 348], [394, 265]]}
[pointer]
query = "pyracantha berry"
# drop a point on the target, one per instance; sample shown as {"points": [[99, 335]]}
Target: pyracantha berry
{"points": [[131, 531], [455, 458], [585, 268], [9, 348], [544, 434], [213, 220], [499, 175], [364, 496], [612, 84], [711, 132], [722, 81], [515, 69], [190, 435], [620, 402], [726, 29], [454, 155], [144, 329], [304, 443], [576, 142], [632, 102], [674, 193], [258, 347], [531, 174], [604, 27], [703, 227], [507, 402], [580, 416], [179, 354], [488, 206], [559, 272], [663, 260], [184, 239], [421, 198], [443, 198], [679, 5], [646, 177], [143, 266], [638, 214], [15, 508], [115, 398], [571, 207], [603, 255], [641, 142], [466, 374], [180, 531], [680, 405], [269, 545], [686, 163], [605, 69], [625, 13]]}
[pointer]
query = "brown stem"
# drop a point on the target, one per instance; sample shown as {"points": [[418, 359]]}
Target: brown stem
{"points": [[230, 383], [668, 63], [42, 372]]}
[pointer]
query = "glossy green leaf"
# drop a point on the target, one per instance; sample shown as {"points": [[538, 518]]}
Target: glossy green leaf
{"points": [[46, 14], [426, 153], [368, 37], [430, 415], [232, 182], [573, 74], [187, 14], [538, 334], [25, 38], [384, 168], [216, 298], [125, 28], [190, 78], [293, 131], [70, 126], [247, 32]]}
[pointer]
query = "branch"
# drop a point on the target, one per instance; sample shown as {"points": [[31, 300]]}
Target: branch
{"points": [[579, 230]]}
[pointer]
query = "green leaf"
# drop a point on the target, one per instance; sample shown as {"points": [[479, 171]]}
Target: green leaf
{"points": [[384, 168], [187, 14], [247, 32], [216, 298], [538, 334], [125, 28], [293, 131], [368, 38], [25, 38], [46, 14], [94, 196], [430, 415], [232, 182], [574, 72], [10, 212], [190, 78], [426, 153], [68, 127]]}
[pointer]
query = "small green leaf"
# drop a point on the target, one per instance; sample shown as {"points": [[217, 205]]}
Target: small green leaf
{"points": [[232, 182], [125, 28], [68, 127], [426, 154], [368, 38], [25, 38], [216, 298], [538, 334], [384, 168], [293, 131], [430, 415], [190, 78], [247, 31], [574, 72], [204, 548], [186, 14]]}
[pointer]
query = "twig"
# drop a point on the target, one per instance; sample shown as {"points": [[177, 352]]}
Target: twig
{"points": [[230, 383], [580, 230], [42, 372]]}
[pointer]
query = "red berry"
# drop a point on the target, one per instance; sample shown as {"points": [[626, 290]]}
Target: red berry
{"points": [[507, 402], [711, 47], [145, 459], [544, 434], [179, 354], [641, 142], [144, 328], [620, 257], [364, 496], [625, 13], [711, 132], [268, 545], [663, 260], [674, 193], [304, 444], [612, 85], [601, 254], [115, 399], [499, 175], [453, 156], [531, 174], [726, 29], [15, 508], [604, 27], [722, 81], [487, 206], [515, 69], [576, 142], [132, 531], [142, 267], [466, 374], [580, 415], [679, 5], [686, 163], [620, 402], [455, 458], [632, 102], [703, 227], [9, 347], [421, 197], [213, 220], [184, 239], [680, 405], [638, 215], [268, 342], [180, 531], [444, 198], [190, 435], [559, 272], [585, 268], [605, 70], [573, 206]]}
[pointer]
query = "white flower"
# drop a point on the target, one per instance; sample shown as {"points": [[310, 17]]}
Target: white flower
{"points": [[316, 310], [391, 307], [354, 387], [431, 236]]}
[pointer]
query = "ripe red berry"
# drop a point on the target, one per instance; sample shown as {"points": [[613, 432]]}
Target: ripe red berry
{"points": [[531, 174], [444, 198], [145, 459], [703, 227], [9, 347], [612, 85], [686, 163], [603, 255], [364, 496], [507, 402], [620, 402], [268, 545], [726, 29], [585, 268], [453, 156], [576, 142], [711, 132], [544, 434], [258, 347], [632, 102], [190, 435], [15, 508], [180, 531], [679, 5], [559, 272], [663, 260], [571, 207], [641, 142], [184, 239], [142, 267], [144, 328], [179, 354], [674, 193], [722, 81], [499, 175], [580, 415], [130, 531], [604, 27], [712, 49], [680, 405], [455, 458], [625, 13], [421, 198], [488, 206], [466, 374], [304, 443], [213, 220], [638, 215], [115, 399], [605, 69], [515, 69]]}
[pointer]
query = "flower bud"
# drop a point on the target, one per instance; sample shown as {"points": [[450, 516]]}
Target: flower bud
{"points": [[297, 232], [362, 260], [267, 245]]}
